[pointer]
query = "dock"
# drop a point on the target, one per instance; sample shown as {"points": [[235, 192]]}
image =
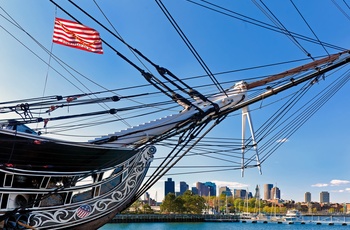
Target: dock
{"points": [[141, 218], [312, 221], [297, 222]]}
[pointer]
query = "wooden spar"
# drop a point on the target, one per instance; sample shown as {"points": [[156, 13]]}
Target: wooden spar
{"points": [[311, 65], [290, 84]]}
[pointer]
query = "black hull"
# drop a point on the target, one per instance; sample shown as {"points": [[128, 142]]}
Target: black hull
{"points": [[84, 197], [32, 152]]}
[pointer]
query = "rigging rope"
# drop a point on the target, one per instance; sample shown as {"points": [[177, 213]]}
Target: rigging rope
{"points": [[341, 10], [147, 75], [286, 130], [60, 62], [296, 8], [48, 68], [190, 136], [189, 45], [279, 24], [259, 23], [150, 77]]}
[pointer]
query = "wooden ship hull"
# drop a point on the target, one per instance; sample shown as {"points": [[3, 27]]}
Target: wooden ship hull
{"points": [[57, 196]]}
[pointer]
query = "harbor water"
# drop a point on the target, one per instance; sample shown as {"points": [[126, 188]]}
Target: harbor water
{"points": [[306, 223], [220, 226]]}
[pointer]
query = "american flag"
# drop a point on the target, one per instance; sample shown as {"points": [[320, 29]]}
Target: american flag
{"points": [[73, 34], [84, 210]]}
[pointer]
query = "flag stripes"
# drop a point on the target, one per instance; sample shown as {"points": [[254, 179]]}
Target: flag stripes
{"points": [[73, 34], [84, 210]]}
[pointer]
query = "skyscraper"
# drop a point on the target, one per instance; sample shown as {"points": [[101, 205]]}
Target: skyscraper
{"points": [[267, 191], [225, 190], [147, 198], [257, 192], [183, 187], [324, 197], [194, 191], [202, 189], [240, 193], [212, 188], [206, 189], [169, 186], [307, 197], [275, 193]]}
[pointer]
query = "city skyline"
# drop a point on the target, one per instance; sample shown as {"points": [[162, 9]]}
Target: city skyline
{"points": [[274, 192]]}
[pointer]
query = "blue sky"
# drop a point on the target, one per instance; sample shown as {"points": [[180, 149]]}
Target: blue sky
{"points": [[314, 159]]}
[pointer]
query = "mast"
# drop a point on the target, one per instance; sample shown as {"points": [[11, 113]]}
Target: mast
{"points": [[312, 65], [293, 82]]}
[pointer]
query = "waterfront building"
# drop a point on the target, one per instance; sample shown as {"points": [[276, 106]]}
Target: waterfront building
{"points": [[275, 193], [147, 197], [169, 186], [307, 197], [257, 192], [194, 191], [324, 197], [148, 200], [240, 193], [206, 189], [183, 187], [202, 189], [250, 195], [347, 208], [267, 191], [225, 190], [212, 188]]}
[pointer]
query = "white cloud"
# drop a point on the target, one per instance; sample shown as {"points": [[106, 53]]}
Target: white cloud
{"points": [[319, 185], [339, 182], [230, 184], [332, 183], [338, 191]]}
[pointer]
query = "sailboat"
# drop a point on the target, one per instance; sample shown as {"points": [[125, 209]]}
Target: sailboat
{"points": [[258, 214], [53, 183], [246, 214]]}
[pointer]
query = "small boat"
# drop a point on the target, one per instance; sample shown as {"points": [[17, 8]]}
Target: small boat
{"points": [[292, 215], [276, 219], [260, 216], [246, 216]]}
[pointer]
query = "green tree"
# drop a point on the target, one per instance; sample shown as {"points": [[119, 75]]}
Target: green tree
{"points": [[230, 204], [193, 203], [239, 203], [147, 209], [172, 204], [252, 203], [167, 205], [136, 206], [179, 205], [267, 209], [186, 203], [221, 204]]}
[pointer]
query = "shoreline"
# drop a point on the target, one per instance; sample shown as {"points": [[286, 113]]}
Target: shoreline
{"points": [[140, 218]]}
